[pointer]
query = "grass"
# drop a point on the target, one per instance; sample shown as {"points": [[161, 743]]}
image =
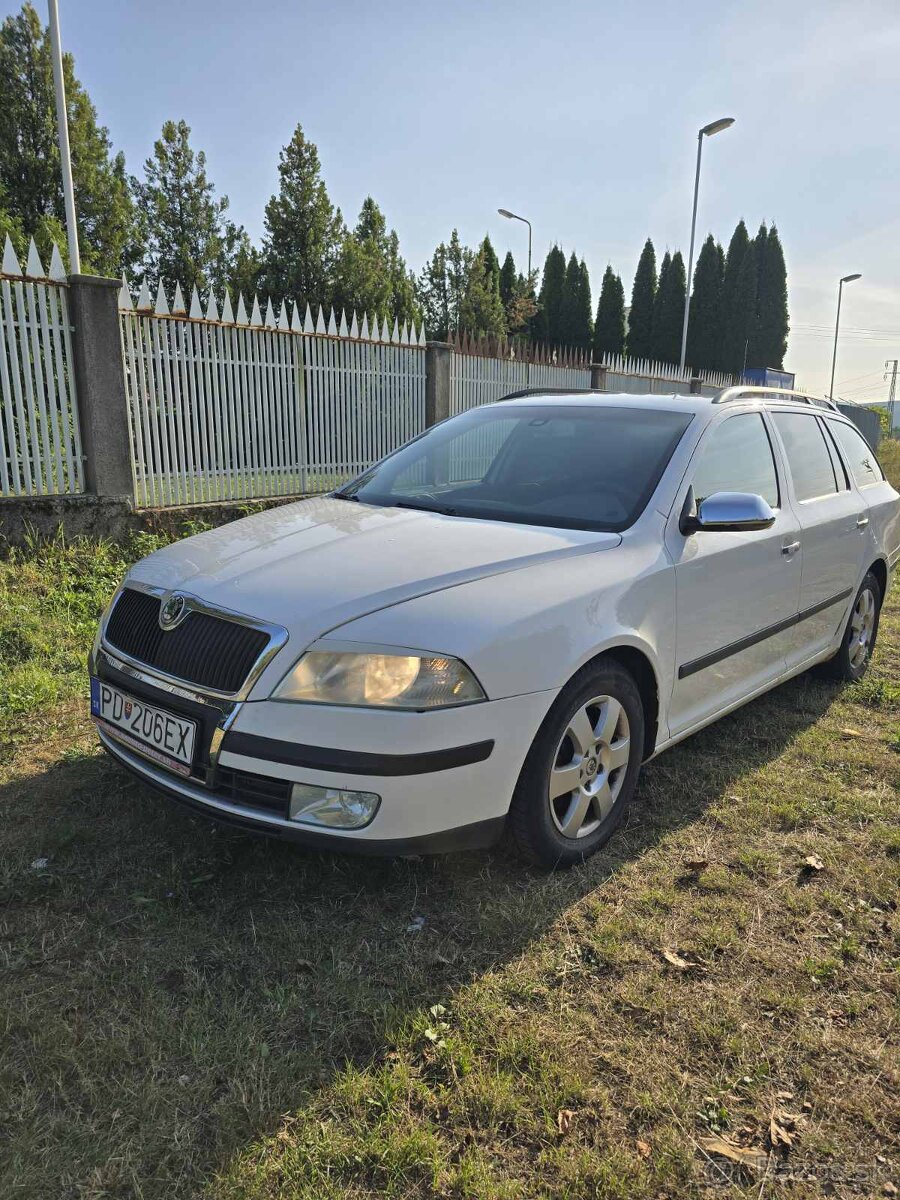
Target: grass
{"points": [[188, 1012]]}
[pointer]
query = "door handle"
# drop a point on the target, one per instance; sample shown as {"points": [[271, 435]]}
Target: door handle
{"points": [[862, 522], [790, 548]]}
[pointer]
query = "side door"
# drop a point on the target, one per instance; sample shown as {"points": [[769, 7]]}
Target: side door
{"points": [[737, 593], [877, 494], [833, 534]]}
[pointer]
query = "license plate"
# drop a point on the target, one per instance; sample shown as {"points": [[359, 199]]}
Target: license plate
{"points": [[162, 736]]}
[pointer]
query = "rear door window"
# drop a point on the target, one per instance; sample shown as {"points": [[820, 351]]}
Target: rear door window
{"points": [[858, 454], [809, 460]]}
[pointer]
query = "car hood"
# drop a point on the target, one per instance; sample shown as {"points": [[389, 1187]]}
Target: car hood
{"points": [[316, 564]]}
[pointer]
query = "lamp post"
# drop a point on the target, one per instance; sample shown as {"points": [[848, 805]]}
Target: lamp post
{"points": [[837, 325], [65, 157], [511, 216], [706, 131]]}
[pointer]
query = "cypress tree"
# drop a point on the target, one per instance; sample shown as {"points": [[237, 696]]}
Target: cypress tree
{"points": [[576, 325], [548, 320], [737, 249], [772, 330], [706, 298], [507, 279], [669, 311], [586, 310], [643, 293], [609, 329], [741, 317]]}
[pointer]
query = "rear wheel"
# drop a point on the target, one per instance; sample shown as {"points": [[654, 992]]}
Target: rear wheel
{"points": [[852, 660], [581, 770]]}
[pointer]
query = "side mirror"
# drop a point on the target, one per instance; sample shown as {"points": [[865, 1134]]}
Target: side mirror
{"points": [[726, 512]]}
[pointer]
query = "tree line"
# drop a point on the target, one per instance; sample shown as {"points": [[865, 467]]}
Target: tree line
{"points": [[170, 224]]}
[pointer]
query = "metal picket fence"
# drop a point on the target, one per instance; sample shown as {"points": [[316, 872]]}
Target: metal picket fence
{"points": [[475, 380], [226, 406], [40, 440]]}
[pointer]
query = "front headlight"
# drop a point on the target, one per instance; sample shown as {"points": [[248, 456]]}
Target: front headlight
{"points": [[392, 679]]}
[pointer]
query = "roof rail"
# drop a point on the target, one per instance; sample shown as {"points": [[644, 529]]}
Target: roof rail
{"points": [[519, 395], [784, 395]]}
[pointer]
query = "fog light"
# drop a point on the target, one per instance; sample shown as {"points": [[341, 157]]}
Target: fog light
{"points": [[334, 807]]}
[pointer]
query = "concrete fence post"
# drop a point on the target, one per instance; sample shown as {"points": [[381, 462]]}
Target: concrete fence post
{"points": [[437, 382], [100, 386], [696, 385], [598, 377]]}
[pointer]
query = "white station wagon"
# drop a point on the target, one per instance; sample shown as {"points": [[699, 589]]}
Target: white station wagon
{"points": [[497, 624]]}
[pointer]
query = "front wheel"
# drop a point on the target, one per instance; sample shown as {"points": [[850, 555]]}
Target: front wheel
{"points": [[581, 770], [852, 660]]}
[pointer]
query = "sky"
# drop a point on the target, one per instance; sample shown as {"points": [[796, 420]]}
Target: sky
{"points": [[581, 116]]}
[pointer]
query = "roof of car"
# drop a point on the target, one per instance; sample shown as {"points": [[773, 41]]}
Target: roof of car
{"points": [[674, 401]]}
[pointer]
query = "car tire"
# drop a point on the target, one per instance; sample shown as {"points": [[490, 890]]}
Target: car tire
{"points": [[852, 660], [593, 739]]}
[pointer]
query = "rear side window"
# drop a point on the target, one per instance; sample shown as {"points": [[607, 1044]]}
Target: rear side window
{"points": [[807, 455], [862, 462], [737, 457]]}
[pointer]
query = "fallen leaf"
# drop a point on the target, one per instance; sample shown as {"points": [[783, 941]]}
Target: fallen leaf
{"points": [[778, 1135], [564, 1119], [889, 1189], [851, 733], [747, 1156], [695, 865], [675, 960], [812, 862], [643, 1148], [416, 925], [40, 864]]}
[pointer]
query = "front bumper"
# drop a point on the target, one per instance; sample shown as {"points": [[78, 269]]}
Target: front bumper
{"points": [[445, 778]]}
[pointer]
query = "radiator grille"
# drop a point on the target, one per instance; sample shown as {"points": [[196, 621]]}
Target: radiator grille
{"points": [[203, 649]]}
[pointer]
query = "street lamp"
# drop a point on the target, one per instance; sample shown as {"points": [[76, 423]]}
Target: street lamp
{"points": [[511, 216], [708, 131], [837, 325], [62, 122]]}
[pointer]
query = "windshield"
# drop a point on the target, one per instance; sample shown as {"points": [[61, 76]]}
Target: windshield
{"points": [[573, 467]]}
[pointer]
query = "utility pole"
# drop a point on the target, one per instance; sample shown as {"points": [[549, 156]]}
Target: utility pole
{"points": [[62, 121], [891, 366]]}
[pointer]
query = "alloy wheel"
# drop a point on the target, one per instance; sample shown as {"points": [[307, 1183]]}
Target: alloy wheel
{"points": [[862, 625], [589, 767]]}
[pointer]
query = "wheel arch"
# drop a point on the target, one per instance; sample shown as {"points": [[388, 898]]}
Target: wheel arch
{"points": [[879, 569], [640, 667]]}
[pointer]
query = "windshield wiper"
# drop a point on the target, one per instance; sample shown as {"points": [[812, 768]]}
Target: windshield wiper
{"points": [[442, 511], [346, 496]]}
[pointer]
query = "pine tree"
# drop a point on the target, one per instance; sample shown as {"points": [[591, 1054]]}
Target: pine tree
{"points": [[548, 322], [609, 328], [29, 155], [441, 287], [481, 311], [704, 327], [643, 294], [737, 249], [186, 235], [741, 317], [668, 309], [507, 279], [304, 232], [370, 275], [770, 344]]}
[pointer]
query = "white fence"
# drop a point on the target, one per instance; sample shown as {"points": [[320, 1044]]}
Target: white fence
{"points": [[223, 406], [40, 442], [475, 380], [640, 376]]}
